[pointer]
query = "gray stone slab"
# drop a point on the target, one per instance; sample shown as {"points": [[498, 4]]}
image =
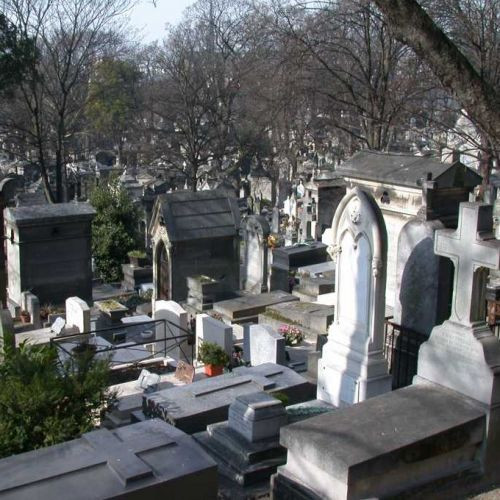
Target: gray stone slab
{"points": [[400, 440], [266, 345], [316, 317], [191, 408], [257, 416], [251, 305], [138, 460], [318, 269], [243, 462]]}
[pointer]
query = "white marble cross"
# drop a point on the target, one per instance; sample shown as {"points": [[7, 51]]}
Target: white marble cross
{"points": [[470, 247]]}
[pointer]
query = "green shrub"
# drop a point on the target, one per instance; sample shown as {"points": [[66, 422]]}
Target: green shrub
{"points": [[212, 354], [44, 402]]}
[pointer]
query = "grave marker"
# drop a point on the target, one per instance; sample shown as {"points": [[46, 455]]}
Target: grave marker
{"points": [[353, 367], [78, 314]]}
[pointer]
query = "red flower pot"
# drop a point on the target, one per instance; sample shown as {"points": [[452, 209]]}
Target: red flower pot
{"points": [[213, 370]]}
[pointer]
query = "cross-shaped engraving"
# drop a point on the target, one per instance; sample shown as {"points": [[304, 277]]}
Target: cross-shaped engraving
{"points": [[470, 247], [121, 456]]}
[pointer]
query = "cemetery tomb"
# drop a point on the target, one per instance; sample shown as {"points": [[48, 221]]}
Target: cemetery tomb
{"points": [[147, 460], [248, 307], [289, 259], [49, 252], [246, 447], [398, 444], [396, 181], [194, 234], [353, 367], [192, 407]]}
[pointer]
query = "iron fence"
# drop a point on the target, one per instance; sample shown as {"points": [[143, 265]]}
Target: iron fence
{"points": [[401, 347], [126, 345]]}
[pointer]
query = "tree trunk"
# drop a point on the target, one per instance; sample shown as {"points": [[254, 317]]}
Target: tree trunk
{"points": [[413, 26]]}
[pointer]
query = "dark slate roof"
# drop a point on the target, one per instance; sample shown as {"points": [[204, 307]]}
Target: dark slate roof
{"points": [[49, 213], [406, 169], [204, 214]]}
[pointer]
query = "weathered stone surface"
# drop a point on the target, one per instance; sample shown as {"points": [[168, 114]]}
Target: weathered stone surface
{"points": [[192, 408], [396, 444], [242, 308], [266, 345], [134, 276], [78, 314], [286, 259], [241, 461], [209, 329], [257, 416], [256, 233], [141, 460], [48, 251], [194, 234], [423, 279], [175, 325], [315, 317], [353, 367], [462, 353]]}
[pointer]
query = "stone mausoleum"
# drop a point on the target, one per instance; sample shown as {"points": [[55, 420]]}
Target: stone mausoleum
{"points": [[194, 234], [396, 181], [48, 251]]}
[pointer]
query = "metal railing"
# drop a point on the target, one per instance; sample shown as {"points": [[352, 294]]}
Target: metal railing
{"points": [[123, 344], [401, 347]]}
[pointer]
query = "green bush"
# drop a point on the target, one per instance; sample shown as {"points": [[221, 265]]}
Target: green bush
{"points": [[212, 354], [44, 402], [114, 229]]}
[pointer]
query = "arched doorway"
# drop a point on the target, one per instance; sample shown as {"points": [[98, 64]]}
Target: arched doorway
{"points": [[163, 274]]}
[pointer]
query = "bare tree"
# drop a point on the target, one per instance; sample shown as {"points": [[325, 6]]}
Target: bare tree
{"points": [[70, 36], [364, 80], [466, 77]]}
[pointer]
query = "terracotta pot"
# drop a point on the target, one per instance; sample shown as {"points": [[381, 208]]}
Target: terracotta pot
{"points": [[213, 370]]}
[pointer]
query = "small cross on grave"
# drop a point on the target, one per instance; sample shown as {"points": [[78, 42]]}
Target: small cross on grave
{"points": [[121, 456], [470, 247]]}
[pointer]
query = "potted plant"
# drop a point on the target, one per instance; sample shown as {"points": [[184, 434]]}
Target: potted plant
{"points": [[213, 357], [138, 258], [25, 317]]}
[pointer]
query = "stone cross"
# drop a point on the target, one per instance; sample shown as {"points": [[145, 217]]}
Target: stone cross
{"points": [[470, 247]]}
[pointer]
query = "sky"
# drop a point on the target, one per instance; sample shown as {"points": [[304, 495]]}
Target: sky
{"points": [[151, 20]]}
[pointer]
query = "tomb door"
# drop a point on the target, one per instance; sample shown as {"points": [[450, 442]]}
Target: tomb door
{"points": [[164, 275]]}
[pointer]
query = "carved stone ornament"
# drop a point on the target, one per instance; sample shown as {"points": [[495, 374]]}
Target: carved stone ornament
{"points": [[354, 212]]}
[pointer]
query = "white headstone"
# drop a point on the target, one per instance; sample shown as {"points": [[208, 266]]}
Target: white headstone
{"points": [[266, 345], [209, 329], [78, 314], [353, 367], [256, 263], [58, 326], [175, 324]]}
